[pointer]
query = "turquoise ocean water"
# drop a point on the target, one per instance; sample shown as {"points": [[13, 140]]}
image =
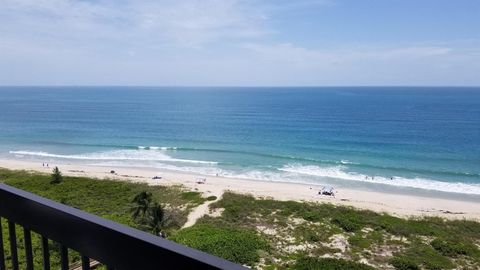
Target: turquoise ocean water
{"points": [[398, 139]]}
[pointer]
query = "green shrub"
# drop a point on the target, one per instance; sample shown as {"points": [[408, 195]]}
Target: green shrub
{"points": [[237, 245], [359, 241], [211, 198], [424, 256], [313, 216], [311, 263], [452, 248], [193, 196], [402, 263], [56, 176], [350, 223], [306, 233]]}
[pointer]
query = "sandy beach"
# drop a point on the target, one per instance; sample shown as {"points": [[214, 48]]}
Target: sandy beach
{"points": [[396, 204]]}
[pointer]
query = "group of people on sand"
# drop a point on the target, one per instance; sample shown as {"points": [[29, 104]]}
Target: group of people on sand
{"points": [[327, 190], [45, 165]]}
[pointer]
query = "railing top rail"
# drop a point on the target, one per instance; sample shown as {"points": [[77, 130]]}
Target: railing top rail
{"points": [[111, 243]]}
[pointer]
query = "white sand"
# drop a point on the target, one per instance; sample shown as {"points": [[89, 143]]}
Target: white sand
{"points": [[396, 204]]}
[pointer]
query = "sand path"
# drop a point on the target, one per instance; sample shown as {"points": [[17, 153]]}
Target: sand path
{"points": [[199, 212]]}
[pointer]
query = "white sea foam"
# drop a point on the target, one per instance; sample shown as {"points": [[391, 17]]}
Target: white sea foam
{"points": [[303, 174], [289, 173], [134, 155], [141, 147], [338, 172], [343, 161], [168, 148], [320, 175], [259, 175]]}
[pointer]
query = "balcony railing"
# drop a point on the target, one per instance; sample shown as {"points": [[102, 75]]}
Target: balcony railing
{"points": [[114, 245]]}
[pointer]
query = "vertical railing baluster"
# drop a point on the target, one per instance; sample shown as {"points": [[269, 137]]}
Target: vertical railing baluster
{"points": [[2, 250], [64, 257], [85, 263], [13, 244], [45, 253], [27, 237]]}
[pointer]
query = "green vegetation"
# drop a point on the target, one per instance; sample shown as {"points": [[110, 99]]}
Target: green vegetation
{"points": [[141, 203], [453, 247], [193, 196], [238, 245], [350, 222], [424, 256], [264, 233], [310, 263], [152, 216], [56, 176], [106, 198], [211, 198], [403, 263], [302, 232], [154, 219]]}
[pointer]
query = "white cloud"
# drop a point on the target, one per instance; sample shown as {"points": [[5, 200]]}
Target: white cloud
{"points": [[288, 64], [288, 52], [292, 5], [203, 42], [181, 23]]}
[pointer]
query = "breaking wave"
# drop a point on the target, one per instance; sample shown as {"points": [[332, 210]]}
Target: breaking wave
{"points": [[339, 172], [156, 148], [152, 156], [133, 155]]}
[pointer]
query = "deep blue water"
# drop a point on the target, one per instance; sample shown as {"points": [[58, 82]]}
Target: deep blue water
{"points": [[427, 138]]}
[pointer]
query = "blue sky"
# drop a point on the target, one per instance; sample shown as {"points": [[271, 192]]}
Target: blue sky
{"points": [[240, 43]]}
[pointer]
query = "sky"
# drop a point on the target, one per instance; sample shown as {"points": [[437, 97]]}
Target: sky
{"points": [[240, 42]]}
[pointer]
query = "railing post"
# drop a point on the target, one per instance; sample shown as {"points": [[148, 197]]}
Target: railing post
{"points": [[45, 253], [13, 244], [2, 250], [64, 257], [27, 237], [85, 263]]}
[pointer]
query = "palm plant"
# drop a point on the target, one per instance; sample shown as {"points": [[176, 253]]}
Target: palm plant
{"points": [[155, 218], [141, 204]]}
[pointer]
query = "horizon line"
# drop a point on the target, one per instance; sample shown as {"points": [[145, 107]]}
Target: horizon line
{"points": [[242, 86]]}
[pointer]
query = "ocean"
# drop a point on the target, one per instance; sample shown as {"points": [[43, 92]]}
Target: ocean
{"points": [[393, 139]]}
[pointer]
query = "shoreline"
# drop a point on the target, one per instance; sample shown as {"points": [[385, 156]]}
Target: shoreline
{"points": [[396, 204]]}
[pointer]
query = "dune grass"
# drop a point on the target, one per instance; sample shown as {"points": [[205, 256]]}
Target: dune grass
{"points": [[300, 231]]}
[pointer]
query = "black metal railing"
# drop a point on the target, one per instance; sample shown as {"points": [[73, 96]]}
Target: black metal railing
{"points": [[114, 245]]}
